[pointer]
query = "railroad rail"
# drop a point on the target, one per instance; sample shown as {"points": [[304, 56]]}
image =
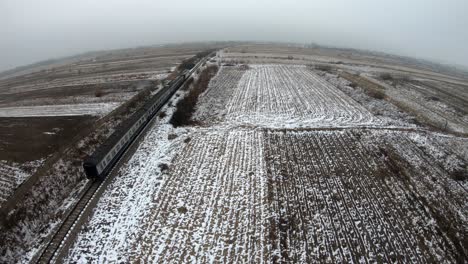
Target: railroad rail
{"points": [[62, 238]]}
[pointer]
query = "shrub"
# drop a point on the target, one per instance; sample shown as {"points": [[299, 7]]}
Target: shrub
{"points": [[377, 94], [323, 67], [98, 93], [386, 76], [163, 167], [187, 84], [182, 210], [187, 64], [162, 114], [459, 174], [352, 85], [186, 106]]}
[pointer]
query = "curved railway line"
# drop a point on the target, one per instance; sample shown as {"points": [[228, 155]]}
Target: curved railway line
{"points": [[62, 238]]}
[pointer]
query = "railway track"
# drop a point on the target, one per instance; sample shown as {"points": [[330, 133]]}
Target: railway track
{"points": [[63, 236], [57, 241]]}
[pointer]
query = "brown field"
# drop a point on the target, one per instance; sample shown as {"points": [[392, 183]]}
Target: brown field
{"points": [[31, 138]]}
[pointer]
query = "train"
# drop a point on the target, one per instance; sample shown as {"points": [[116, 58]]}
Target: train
{"points": [[101, 161]]}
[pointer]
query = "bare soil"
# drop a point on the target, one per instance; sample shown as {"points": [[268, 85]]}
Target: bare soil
{"points": [[25, 139]]}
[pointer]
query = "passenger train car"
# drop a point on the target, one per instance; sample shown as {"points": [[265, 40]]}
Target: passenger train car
{"points": [[98, 165]]}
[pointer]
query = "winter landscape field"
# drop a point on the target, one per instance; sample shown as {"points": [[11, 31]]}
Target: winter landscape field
{"points": [[53, 114], [233, 132], [44, 107], [286, 160]]}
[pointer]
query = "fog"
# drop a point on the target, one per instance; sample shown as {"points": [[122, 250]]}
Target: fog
{"points": [[37, 30]]}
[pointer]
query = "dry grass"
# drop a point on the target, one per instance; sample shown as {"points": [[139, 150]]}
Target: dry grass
{"points": [[377, 94], [323, 67], [386, 76], [186, 107], [371, 89]]}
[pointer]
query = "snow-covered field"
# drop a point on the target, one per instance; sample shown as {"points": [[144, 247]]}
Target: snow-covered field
{"points": [[336, 199], [209, 206], [95, 109], [286, 96], [260, 195], [246, 187]]}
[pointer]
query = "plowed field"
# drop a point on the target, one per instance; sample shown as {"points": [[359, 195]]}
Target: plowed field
{"points": [[284, 167], [282, 96]]}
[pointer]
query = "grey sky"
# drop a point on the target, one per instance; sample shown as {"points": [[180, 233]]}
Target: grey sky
{"points": [[37, 30]]}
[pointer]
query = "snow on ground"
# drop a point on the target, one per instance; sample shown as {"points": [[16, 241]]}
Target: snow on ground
{"points": [[211, 106], [438, 112], [201, 209], [255, 195], [95, 109], [388, 114], [13, 174], [286, 96], [122, 207], [335, 199], [238, 189]]}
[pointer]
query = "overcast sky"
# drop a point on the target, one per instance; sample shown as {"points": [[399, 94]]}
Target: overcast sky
{"points": [[33, 30]]}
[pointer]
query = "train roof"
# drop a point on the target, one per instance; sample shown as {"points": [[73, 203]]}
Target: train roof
{"points": [[125, 126]]}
